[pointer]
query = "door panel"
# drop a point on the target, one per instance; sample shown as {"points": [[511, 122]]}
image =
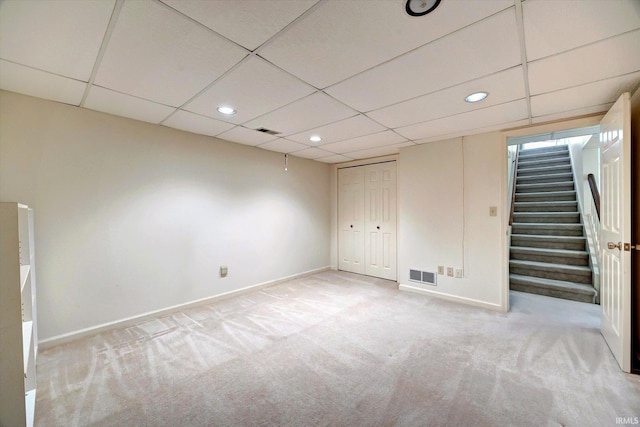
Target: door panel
{"points": [[381, 226], [351, 220], [615, 278]]}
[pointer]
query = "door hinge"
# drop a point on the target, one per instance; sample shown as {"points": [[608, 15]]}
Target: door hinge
{"points": [[628, 247]]}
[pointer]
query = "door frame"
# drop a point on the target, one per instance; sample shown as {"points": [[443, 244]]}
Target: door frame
{"points": [[335, 225], [580, 122]]}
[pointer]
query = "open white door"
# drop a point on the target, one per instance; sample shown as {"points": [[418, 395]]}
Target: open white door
{"points": [[615, 278]]}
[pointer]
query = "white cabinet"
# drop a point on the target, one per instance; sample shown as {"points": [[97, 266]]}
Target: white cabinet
{"points": [[18, 331]]}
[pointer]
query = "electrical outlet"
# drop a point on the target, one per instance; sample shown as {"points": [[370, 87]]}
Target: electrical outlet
{"points": [[450, 271], [441, 269], [458, 273], [224, 270], [493, 211]]}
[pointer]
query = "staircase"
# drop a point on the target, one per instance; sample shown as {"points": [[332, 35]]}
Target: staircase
{"points": [[548, 245]]}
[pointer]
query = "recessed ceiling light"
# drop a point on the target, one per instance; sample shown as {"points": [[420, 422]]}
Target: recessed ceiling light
{"points": [[420, 7], [315, 138], [477, 96], [226, 110]]}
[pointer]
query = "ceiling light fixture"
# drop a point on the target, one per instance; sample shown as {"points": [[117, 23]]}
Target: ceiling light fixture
{"points": [[315, 138], [420, 7], [226, 110], [476, 96]]}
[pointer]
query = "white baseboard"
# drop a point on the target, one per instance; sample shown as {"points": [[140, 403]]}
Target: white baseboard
{"points": [[454, 298], [72, 336]]}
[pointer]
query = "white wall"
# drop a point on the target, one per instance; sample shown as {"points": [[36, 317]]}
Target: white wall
{"points": [[445, 190], [132, 217]]}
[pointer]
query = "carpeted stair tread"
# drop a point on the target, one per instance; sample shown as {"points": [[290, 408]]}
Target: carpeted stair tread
{"points": [[570, 273], [536, 163], [549, 241], [544, 187], [565, 195], [550, 287], [545, 155], [549, 255], [544, 170], [546, 149], [544, 206], [546, 217], [553, 177]]}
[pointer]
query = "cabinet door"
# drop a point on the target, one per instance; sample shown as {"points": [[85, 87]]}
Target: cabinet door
{"points": [[380, 220], [351, 220]]}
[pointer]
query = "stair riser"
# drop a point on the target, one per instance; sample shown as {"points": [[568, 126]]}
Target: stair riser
{"points": [[542, 188], [572, 207], [546, 219], [554, 148], [524, 197], [551, 274], [546, 232], [528, 164], [547, 244], [544, 156], [539, 179], [582, 260], [544, 171], [531, 289]]}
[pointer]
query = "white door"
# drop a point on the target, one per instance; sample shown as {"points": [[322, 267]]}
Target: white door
{"points": [[351, 220], [380, 220], [615, 278]]}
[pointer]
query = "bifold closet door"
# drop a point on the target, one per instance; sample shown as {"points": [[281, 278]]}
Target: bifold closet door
{"points": [[380, 220], [367, 220], [351, 220]]}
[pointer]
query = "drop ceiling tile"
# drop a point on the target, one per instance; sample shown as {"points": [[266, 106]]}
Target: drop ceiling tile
{"points": [[502, 87], [195, 123], [336, 158], [21, 79], [249, 23], [62, 36], [283, 146], [478, 50], [345, 129], [313, 153], [123, 105], [347, 37], [379, 151], [157, 54], [570, 24], [310, 112], [246, 136], [253, 79], [597, 93], [605, 59], [365, 142], [494, 115], [573, 113]]}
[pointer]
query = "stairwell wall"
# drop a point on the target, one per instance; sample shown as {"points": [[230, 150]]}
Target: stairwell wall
{"points": [[445, 190]]}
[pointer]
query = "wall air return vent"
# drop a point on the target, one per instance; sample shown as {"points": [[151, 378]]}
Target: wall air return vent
{"points": [[423, 277], [269, 131]]}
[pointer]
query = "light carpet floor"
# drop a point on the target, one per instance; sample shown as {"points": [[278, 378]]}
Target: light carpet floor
{"points": [[339, 349]]}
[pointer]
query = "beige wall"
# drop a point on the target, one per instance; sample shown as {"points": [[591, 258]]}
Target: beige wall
{"points": [[445, 190], [132, 217]]}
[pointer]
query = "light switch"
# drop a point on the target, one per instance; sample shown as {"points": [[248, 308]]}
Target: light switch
{"points": [[223, 271], [493, 211]]}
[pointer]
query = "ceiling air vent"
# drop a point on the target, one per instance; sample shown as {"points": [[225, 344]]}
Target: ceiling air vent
{"points": [[269, 131]]}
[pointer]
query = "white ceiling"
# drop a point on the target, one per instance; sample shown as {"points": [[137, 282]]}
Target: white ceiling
{"points": [[361, 74]]}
